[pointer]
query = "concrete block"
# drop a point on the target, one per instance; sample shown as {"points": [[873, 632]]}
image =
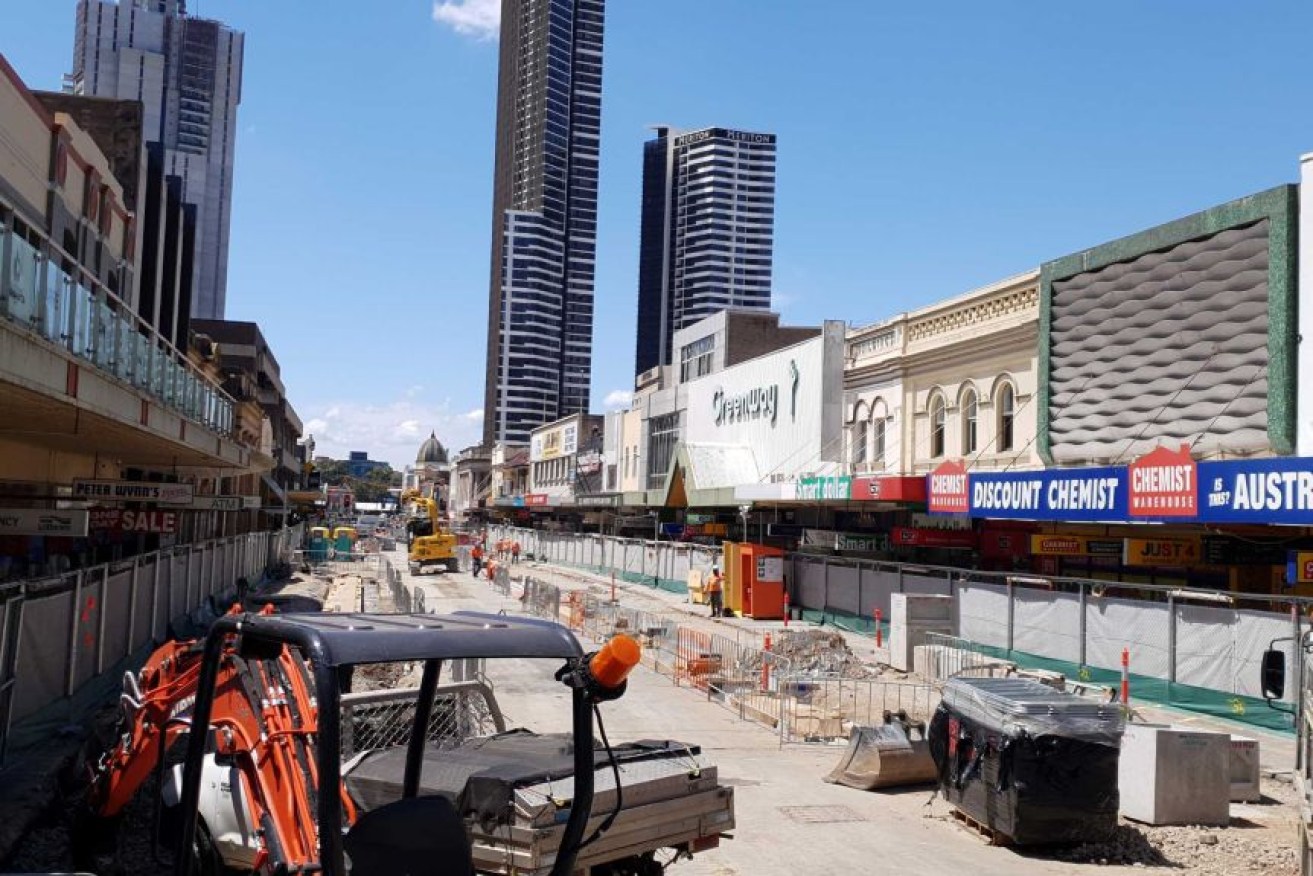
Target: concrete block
{"points": [[911, 617], [1167, 775], [1244, 770]]}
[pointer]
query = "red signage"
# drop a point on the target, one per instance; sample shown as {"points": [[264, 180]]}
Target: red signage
{"points": [[535, 499], [907, 536], [889, 489], [122, 520], [1164, 483], [948, 488]]}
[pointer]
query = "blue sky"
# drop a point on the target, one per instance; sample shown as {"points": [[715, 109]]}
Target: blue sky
{"points": [[925, 149]]}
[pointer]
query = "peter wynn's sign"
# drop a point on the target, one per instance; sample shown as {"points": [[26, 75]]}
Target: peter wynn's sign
{"points": [[132, 491]]}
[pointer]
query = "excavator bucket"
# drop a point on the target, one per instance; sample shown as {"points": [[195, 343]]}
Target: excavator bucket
{"points": [[885, 757]]}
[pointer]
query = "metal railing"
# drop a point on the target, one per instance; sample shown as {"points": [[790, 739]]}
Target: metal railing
{"points": [[66, 307]]}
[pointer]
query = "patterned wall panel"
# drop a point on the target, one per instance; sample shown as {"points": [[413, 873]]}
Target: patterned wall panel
{"points": [[1168, 347]]}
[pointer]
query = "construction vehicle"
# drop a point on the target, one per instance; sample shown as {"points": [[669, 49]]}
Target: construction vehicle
{"points": [[251, 794], [430, 542]]}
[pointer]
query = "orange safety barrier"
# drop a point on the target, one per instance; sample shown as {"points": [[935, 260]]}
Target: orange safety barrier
{"points": [[694, 659]]}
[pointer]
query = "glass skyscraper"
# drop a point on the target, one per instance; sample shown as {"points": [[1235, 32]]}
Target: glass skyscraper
{"points": [[187, 72], [544, 215], [708, 231]]}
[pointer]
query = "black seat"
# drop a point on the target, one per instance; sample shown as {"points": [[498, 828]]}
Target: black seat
{"points": [[423, 836]]}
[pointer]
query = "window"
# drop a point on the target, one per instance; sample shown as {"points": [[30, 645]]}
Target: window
{"points": [[877, 456], [936, 427], [695, 358], [1007, 416], [663, 435], [969, 421], [860, 434]]}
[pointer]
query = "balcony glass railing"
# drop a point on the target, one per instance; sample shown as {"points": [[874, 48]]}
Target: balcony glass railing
{"points": [[73, 311]]}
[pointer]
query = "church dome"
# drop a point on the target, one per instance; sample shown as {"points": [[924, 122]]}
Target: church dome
{"points": [[431, 452]]}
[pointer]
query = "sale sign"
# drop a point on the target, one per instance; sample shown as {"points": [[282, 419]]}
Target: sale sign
{"points": [[133, 521]]}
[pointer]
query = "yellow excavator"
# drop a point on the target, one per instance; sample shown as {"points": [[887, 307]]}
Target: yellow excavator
{"points": [[430, 542]]}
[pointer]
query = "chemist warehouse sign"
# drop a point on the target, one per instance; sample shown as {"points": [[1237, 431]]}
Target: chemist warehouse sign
{"points": [[1162, 485]]}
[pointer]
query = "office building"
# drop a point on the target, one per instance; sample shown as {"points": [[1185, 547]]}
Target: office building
{"points": [[187, 73], [708, 231], [544, 218]]}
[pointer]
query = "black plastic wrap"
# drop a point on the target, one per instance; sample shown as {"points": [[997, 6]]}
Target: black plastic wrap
{"points": [[1031, 785]]}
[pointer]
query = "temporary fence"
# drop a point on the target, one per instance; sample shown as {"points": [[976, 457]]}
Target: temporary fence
{"points": [[1198, 650], [63, 639], [659, 564]]}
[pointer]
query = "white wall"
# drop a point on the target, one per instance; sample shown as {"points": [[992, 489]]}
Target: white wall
{"points": [[789, 442]]}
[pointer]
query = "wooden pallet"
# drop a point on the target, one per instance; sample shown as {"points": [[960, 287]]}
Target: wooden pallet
{"points": [[988, 834]]}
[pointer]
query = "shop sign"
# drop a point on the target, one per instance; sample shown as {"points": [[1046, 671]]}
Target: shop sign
{"points": [[224, 503], [1278, 490], [770, 570], [1063, 494], [825, 488], [906, 536], [128, 520], [995, 543], [1160, 552], [785, 530], [132, 491], [1224, 551], [889, 489], [1164, 483], [948, 488], [588, 463], [720, 529], [1299, 567], [598, 501], [42, 521], [1075, 546], [535, 499], [698, 518], [866, 543]]}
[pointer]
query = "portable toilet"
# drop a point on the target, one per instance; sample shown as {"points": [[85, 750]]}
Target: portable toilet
{"points": [[760, 581], [319, 543], [344, 540]]}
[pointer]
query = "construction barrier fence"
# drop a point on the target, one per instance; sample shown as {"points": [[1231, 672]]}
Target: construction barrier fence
{"points": [[64, 640]]}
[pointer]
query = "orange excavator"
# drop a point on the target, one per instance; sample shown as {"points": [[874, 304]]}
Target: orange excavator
{"points": [[248, 797]]}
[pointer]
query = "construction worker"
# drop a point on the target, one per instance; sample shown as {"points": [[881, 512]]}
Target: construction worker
{"points": [[476, 558], [713, 588], [515, 552]]}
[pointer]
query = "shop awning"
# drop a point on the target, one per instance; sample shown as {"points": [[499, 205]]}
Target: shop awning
{"points": [[706, 475]]}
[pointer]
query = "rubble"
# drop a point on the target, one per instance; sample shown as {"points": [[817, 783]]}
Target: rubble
{"points": [[820, 652]]}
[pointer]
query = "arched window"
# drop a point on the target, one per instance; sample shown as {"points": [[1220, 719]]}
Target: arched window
{"points": [[861, 433], [1007, 417], [877, 452], [969, 422], [937, 427]]}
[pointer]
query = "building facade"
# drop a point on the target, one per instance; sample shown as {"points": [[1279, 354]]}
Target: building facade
{"points": [[708, 231], [544, 216], [187, 73]]}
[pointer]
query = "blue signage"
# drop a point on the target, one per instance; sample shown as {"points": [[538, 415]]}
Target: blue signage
{"points": [[1265, 491], [1075, 494]]}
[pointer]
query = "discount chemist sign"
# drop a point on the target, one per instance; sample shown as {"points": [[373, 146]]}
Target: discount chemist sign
{"points": [[1162, 485]]}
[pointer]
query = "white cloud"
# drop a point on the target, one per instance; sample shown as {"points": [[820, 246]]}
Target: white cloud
{"points": [[480, 19], [391, 431], [618, 398], [475, 415], [414, 390]]}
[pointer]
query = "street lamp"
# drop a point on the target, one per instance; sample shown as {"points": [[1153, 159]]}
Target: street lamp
{"points": [[743, 512], [656, 525]]}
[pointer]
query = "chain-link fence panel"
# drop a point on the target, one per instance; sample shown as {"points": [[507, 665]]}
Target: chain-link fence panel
{"points": [[386, 718]]}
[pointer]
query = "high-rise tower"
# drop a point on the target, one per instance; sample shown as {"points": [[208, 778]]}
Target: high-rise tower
{"points": [[708, 231], [188, 73], [544, 215]]}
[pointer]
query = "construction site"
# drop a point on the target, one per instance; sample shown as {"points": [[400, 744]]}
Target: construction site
{"points": [[794, 747]]}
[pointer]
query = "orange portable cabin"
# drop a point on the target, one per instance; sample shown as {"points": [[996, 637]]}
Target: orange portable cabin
{"points": [[754, 580]]}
